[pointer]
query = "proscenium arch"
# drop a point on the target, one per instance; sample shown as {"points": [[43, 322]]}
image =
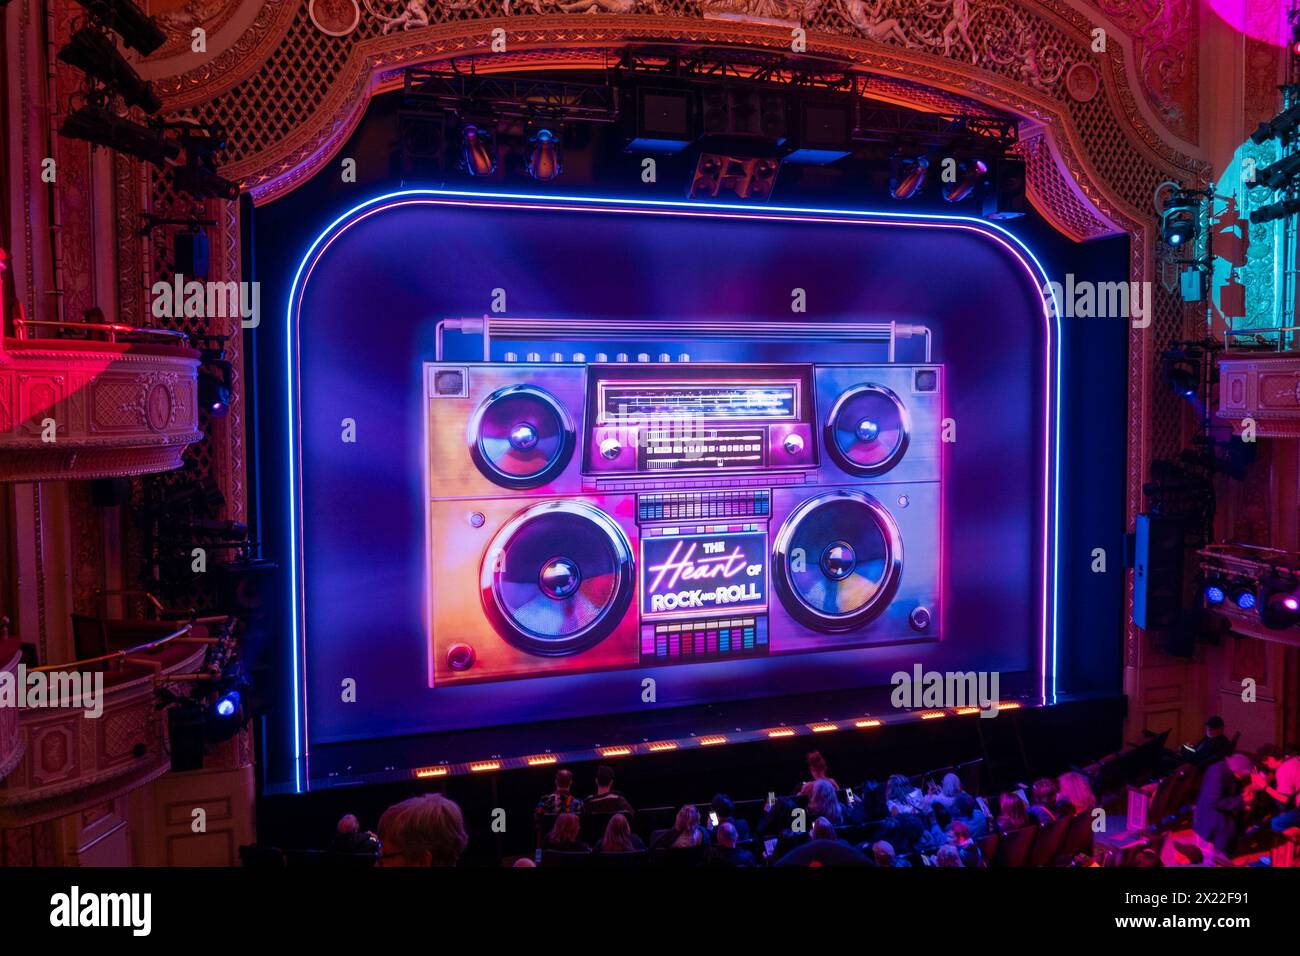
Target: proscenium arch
{"points": [[1012, 246]]}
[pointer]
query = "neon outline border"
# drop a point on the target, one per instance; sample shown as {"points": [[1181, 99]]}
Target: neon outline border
{"points": [[733, 211]]}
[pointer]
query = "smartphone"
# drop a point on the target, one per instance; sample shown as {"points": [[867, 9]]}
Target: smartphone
{"points": [[769, 846], [852, 797], [713, 819]]}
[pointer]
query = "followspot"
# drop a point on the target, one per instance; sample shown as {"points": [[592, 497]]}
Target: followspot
{"points": [[909, 177], [478, 150], [94, 54], [545, 161], [970, 174], [94, 124]]}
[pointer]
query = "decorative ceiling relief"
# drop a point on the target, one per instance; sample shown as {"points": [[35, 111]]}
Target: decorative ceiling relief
{"points": [[334, 18], [1165, 38], [178, 21]]}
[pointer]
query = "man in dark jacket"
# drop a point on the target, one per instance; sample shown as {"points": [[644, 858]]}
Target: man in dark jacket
{"points": [[1219, 805], [724, 852], [1215, 745]]}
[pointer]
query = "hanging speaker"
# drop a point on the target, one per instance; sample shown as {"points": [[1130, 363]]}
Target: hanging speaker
{"points": [[557, 578], [837, 560], [521, 437], [868, 430]]}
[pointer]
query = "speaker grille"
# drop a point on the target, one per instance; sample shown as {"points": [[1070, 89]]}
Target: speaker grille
{"points": [[837, 558], [868, 430], [521, 437], [557, 578]]}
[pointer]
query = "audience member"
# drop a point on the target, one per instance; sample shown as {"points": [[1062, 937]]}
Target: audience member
{"points": [[885, 856], [960, 837], [824, 849], [725, 811], [1012, 814], [1285, 789], [823, 801], [619, 837], [565, 833], [1074, 794], [427, 830], [1042, 806], [817, 768], [948, 856], [901, 796], [350, 838], [1215, 745], [946, 793], [724, 852], [561, 800], [606, 799], [1220, 806], [686, 831], [967, 810]]}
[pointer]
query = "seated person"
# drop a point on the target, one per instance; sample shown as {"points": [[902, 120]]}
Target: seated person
{"points": [[824, 849], [619, 837], [606, 799], [936, 829], [824, 801], [959, 836], [901, 796], [350, 838], [948, 856], [725, 811], [1284, 789], [1213, 746], [1012, 814], [967, 811], [1074, 794], [1042, 806], [561, 799], [1220, 806], [564, 835], [946, 793], [724, 852], [686, 831], [884, 855], [427, 830]]}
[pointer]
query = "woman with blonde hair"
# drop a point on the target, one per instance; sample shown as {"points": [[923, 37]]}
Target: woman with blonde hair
{"points": [[1073, 789], [564, 834], [686, 831], [823, 801]]}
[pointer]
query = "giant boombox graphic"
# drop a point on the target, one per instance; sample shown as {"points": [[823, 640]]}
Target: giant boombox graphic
{"points": [[589, 517]]}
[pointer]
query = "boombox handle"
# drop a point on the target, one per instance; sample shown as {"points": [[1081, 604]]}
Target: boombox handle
{"points": [[617, 329]]}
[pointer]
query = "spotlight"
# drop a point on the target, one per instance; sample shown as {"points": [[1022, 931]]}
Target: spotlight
{"points": [[1279, 603], [1277, 210], [214, 393], [1180, 218], [202, 182], [227, 704], [545, 159], [1244, 597], [909, 176], [95, 54], [1283, 124], [1215, 592], [138, 30], [1278, 174], [970, 174], [197, 176], [1181, 371], [478, 150], [97, 125]]}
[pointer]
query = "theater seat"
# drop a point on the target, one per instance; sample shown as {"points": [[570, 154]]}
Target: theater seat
{"points": [[566, 858], [1016, 847]]}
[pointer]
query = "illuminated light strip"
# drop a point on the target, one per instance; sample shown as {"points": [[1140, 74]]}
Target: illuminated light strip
{"points": [[1009, 705], [934, 714], [485, 765], [781, 732], [712, 741], [616, 751], [963, 711], [663, 745], [714, 211], [432, 772], [542, 760], [824, 728], [865, 724]]}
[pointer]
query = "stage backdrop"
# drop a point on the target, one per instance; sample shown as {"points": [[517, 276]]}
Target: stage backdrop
{"points": [[364, 323]]}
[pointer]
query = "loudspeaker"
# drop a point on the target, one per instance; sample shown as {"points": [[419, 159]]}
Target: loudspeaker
{"points": [[523, 437], [759, 114], [191, 253], [868, 429], [1158, 572], [1005, 198], [663, 121]]}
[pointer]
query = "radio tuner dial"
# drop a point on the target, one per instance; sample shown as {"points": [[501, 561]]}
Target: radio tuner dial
{"points": [[611, 448], [793, 444]]}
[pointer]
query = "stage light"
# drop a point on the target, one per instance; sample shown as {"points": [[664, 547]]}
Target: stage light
{"points": [[545, 159], [214, 388], [228, 704], [478, 151], [1215, 593], [1244, 598], [95, 124], [1180, 218], [203, 183], [747, 177], [909, 176], [95, 54], [1283, 124], [1278, 174], [1279, 603], [970, 175], [138, 30], [1181, 371], [1277, 210]]}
